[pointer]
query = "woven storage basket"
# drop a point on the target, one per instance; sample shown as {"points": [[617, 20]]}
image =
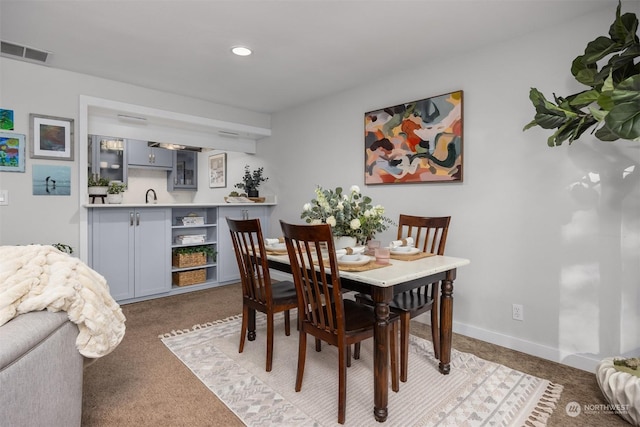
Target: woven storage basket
{"points": [[189, 260], [191, 277]]}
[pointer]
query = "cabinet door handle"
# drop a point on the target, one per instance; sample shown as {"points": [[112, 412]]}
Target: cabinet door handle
{"points": [[137, 218], [131, 218]]}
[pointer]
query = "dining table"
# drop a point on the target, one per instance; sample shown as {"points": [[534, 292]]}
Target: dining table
{"points": [[382, 284]]}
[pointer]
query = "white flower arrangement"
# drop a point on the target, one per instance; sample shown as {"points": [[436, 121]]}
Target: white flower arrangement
{"points": [[348, 214]]}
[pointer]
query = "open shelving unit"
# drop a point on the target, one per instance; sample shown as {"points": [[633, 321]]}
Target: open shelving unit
{"points": [[206, 226]]}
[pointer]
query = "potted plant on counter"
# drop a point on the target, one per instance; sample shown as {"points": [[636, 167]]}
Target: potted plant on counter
{"points": [[114, 192], [97, 186], [251, 181]]}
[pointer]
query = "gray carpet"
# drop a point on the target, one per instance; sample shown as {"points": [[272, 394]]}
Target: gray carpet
{"points": [[143, 384]]}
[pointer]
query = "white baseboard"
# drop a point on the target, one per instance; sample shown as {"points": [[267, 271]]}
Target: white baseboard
{"points": [[578, 361]]}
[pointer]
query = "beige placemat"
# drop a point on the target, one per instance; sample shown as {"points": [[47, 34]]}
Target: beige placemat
{"points": [[371, 265], [412, 257], [275, 251]]}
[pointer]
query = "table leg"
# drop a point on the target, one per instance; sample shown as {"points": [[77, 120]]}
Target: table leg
{"points": [[251, 327], [446, 321], [381, 297]]}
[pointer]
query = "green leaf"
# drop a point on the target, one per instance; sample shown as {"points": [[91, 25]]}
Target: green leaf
{"points": [[624, 28], [550, 121], [605, 102], [605, 134], [598, 114], [598, 49], [627, 91], [584, 73], [608, 84], [624, 120], [529, 125], [584, 98]]}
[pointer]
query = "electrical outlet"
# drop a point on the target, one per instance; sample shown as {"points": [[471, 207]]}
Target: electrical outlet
{"points": [[518, 312]]}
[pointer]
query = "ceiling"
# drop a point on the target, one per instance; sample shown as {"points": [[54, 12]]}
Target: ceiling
{"points": [[303, 49]]}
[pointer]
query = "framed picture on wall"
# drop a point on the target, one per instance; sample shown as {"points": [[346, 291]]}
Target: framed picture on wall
{"points": [[51, 137], [416, 142], [218, 170], [11, 152], [6, 119]]}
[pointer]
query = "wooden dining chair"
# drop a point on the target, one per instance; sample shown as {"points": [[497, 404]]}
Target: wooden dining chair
{"points": [[429, 235], [258, 293], [322, 311]]}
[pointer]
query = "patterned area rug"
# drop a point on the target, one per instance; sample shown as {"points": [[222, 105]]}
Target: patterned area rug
{"points": [[476, 392]]}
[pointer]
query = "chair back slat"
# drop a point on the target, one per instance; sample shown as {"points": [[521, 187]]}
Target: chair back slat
{"points": [[248, 245], [315, 272], [429, 233]]}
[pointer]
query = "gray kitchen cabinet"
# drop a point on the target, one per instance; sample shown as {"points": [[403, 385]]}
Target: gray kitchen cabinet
{"points": [[140, 154], [227, 264], [184, 173], [107, 157], [131, 248]]}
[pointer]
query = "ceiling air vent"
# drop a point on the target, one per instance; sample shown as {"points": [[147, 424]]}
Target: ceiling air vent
{"points": [[23, 52]]}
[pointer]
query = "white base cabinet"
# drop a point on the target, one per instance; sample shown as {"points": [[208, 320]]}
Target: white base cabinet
{"points": [[132, 246], [131, 249]]}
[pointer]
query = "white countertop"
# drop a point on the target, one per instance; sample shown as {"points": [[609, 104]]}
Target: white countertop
{"points": [[172, 205]]}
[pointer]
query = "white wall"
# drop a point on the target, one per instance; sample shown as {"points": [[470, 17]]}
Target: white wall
{"points": [[554, 229], [28, 88]]}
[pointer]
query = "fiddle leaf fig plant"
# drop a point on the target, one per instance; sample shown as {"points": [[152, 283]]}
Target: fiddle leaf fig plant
{"points": [[612, 102]]}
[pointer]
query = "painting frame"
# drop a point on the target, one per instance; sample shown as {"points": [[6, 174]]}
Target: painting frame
{"points": [[415, 142], [218, 170], [51, 137], [7, 146]]}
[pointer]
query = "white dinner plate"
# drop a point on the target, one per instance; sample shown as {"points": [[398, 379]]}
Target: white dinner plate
{"points": [[404, 250], [276, 247], [361, 261]]}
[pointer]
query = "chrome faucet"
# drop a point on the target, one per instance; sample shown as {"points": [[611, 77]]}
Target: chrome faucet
{"points": [[146, 197]]}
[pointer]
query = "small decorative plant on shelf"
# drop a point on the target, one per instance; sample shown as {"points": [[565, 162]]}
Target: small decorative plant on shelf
{"points": [[251, 181], [191, 256], [97, 185], [351, 215], [612, 101]]}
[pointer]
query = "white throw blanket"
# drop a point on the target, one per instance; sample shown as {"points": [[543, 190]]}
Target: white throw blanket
{"points": [[36, 277]]}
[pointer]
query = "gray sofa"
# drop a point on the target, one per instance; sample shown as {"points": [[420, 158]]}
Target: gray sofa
{"points": [[40, 371]]}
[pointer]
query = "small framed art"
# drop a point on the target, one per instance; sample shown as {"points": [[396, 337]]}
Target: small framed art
{"points": [[11, 152], [51, 137], [218, 170]]}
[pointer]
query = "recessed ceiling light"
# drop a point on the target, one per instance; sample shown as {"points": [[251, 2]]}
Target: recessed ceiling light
{"points": [[241, 51]]}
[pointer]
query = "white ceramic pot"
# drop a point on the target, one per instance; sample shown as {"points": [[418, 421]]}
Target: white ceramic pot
{"points": [[621, 390], [114, 199], [341, 242], [97, 191]]}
